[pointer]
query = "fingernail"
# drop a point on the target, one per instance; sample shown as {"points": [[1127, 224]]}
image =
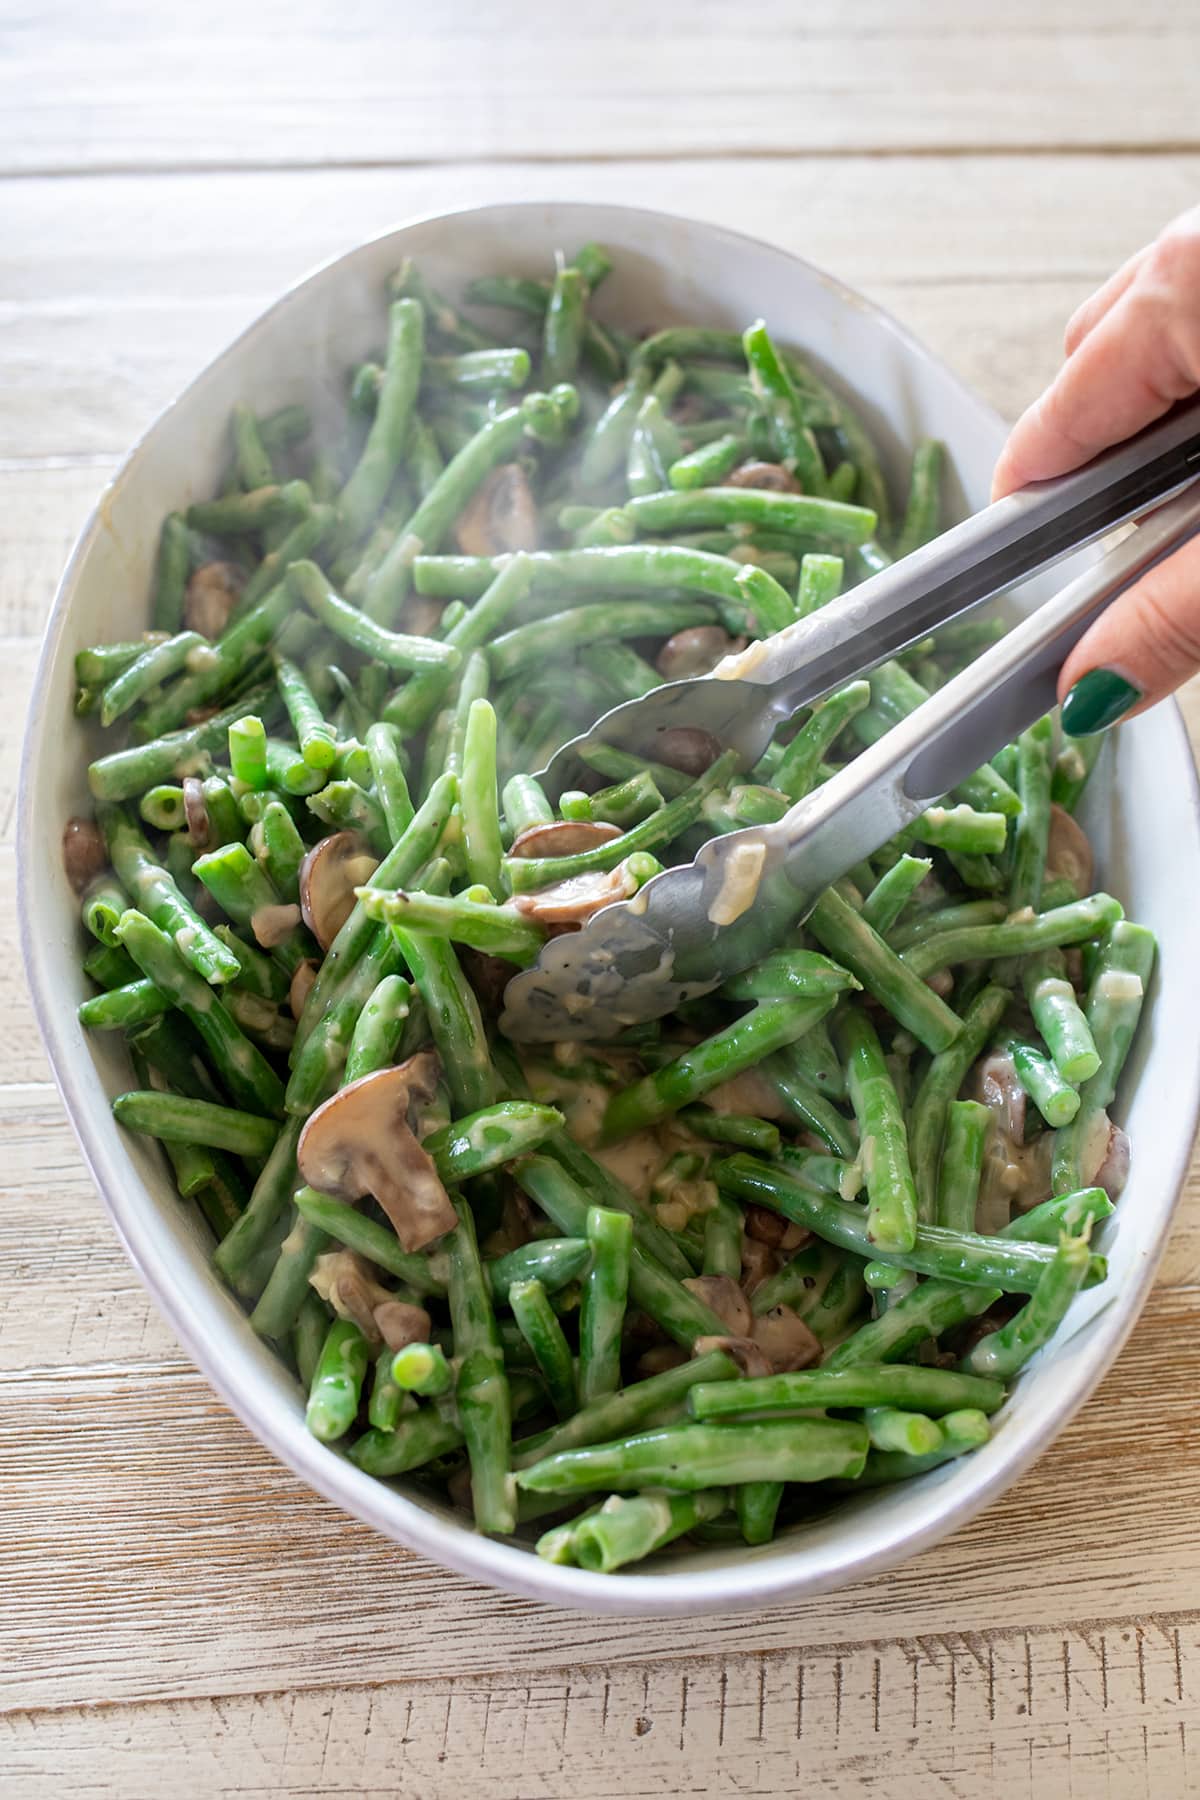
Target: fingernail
{"points": [[1097, 700]]}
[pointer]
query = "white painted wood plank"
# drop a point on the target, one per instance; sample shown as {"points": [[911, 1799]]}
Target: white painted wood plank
{"points": [[205, 1568], [1034, 1715], [115, 87]]}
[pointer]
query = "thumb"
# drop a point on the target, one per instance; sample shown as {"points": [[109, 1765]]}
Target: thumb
{"points": [[1139, 650]]}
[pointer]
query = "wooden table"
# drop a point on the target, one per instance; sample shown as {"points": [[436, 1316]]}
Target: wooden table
{"points": [[178, 1614]]}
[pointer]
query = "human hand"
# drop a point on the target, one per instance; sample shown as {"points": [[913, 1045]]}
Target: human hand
{"points": [[1132, 351]]}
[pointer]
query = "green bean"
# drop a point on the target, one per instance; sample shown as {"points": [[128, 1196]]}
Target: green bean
{"points": [[552, 1262], [248, 752], [804, 1104], [619, 665], [723, 1239], [317, 739], [771, 1024], [790, 975], [1056, 1100], [251, 458], [602, 1314], [280, 848], [251, 1081], [958, 1176], [791, 437], [942, 1080], [378, 1243], [746, 1132], [708, 464], [946, 918], [422, 1369], [804, 515], [378, 1027], [892, 892], [132, 1003], [171, 573], [985, 1262], [1059, 1017], [364, 492], [1031, 832], [337, 1382], [652, 1287], [1003, 1352], [922, 513], [894, 695], [688, 1457], [478, 798], [235, 514], [109, 967], [1114, 1006], [307, 585], [481, 1389], [243, 889], [601, 1185], [177, 1119], [156, 894], [799, 769], [454, 1017], [961, 828], [894, 983], [1072, 924], [544, 1335], [563, 633], [960, 1432], [496, 930], [412, 706], [1072, 768], [887, 1385], [821, 578], [891, 1223], [491, 444], [301, 541], [562, 327], [104, 900], [156, 664], [528, 873], [627, 1530]]}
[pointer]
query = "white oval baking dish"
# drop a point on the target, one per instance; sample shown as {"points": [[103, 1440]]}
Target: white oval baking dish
{"points": [[1142, 812]]}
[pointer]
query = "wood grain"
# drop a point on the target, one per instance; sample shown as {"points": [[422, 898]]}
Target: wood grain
{"points": [[403, 85], [179, 1614], [1034, 1715]]}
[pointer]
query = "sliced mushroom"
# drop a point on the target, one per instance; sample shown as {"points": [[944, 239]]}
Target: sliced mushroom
{"points": [[998, 1087], [195, 811], [345, 1281], [500, 516], [84, 852], [786, 1341], [772, 476], [695, 650], [769, 1228], [574, 901], [301, 984], [686, 748], [272, 925], [1069, 851], [211, 596], [360, 1142], [563, 837], [661, 1357], [488, 975], [329, 874], [941, 982], [398, 1323], [725, 1297], [750, 1358], [758, 1262], [1113, 1171]]}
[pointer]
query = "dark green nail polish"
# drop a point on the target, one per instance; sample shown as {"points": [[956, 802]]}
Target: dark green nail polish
{"points": [[1097, 700]]}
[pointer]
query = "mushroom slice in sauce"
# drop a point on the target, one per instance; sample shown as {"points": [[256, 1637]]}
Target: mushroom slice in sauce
{"points": [[686, 748], [1069, 851], [301, 982], [360, 1142], [84, 852], [271, 925], [346, 1282], [785, 1340], [759, 1261], [772, 476], [770, 1228], [500, 516], [751, 1360], [573, 901], [211, 594], [563, 837], [399, 1322], [725, 1297], [329, 874], [696, 650], [195, 811]]}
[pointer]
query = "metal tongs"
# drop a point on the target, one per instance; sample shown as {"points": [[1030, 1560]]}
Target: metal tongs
{"points": [[694, 926]]}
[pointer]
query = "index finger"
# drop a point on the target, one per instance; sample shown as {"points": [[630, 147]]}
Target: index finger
{"points": [[1129, 369]]}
